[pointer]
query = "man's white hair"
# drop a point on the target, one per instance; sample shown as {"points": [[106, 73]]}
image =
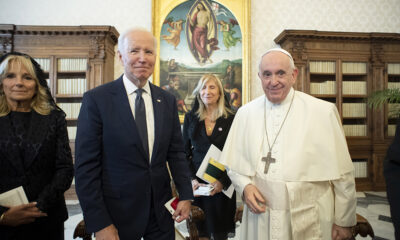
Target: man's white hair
{"points": [[135, 29], [282, 51]]}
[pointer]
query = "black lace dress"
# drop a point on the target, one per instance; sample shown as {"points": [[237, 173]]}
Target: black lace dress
{"points": [[35, 154], [20, 122]]}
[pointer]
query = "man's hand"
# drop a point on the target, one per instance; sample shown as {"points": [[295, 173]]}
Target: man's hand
{"points": [[254, 200], [341, 233], [107, 233], [22, 214], [182, 211]]}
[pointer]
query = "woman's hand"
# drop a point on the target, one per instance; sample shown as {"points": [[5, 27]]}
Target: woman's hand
{"points": [[217, 185], [22, 214], [195, 184]]}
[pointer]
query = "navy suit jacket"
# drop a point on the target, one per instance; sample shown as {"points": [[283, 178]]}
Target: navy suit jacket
{"points": [[392, 177], [114, 178]]}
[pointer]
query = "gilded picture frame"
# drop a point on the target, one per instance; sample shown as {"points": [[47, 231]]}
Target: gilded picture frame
{"points": [[195, 37]]}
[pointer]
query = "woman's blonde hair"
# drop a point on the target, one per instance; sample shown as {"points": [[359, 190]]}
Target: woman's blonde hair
{"points": [[40, 102], [222, 109]]}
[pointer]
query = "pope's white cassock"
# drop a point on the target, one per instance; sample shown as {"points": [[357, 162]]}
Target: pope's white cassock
{"points": [[311, 184]]}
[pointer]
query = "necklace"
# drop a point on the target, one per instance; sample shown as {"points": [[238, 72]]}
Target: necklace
{"points": [[209, 126], [268, 159]]}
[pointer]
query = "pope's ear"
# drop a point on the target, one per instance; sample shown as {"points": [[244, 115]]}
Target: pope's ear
{"points": [[294, 74]]}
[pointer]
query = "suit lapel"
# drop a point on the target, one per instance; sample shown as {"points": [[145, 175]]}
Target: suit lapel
{"points": [[121, 103], [9, 151], [158, 106], [35, 137]]}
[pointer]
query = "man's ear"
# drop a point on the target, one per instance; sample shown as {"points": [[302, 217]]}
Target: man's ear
{"points": [[294, 74], [120, 58]]}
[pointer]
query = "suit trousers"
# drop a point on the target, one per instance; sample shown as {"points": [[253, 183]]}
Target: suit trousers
{"points": [[153, 231]]}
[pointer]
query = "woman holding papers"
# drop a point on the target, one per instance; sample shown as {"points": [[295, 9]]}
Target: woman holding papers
{"points": [[35, 158], [208, 123]]}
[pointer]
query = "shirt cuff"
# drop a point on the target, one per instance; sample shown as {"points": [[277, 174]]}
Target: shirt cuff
{"points": [[239, 181]]}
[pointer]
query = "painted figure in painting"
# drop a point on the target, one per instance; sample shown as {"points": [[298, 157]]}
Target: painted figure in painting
{"points": [[173, 87], [172, 66], [228, 32], [174, 38], [202, 31], [235, 99], [229, 77]]}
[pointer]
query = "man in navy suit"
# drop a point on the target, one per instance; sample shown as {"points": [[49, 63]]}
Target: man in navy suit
{"points": [[122, 180], [392, 176]]}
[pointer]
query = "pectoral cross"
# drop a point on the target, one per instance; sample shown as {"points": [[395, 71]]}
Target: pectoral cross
{"points": [[268, 160]]}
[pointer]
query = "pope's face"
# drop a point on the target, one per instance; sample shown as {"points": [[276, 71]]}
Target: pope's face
{"points": [[277, 77], [138, 57]]}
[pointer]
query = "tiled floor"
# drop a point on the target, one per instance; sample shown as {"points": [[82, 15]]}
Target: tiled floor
{"points": [[371, 205], [374, 207]]}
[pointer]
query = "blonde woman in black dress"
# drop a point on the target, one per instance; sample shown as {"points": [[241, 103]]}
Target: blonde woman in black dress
{"points": [[34, 152], [208, 123]]}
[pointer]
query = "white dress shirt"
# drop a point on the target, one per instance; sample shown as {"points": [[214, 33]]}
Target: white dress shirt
{"points": [[130, 91]]}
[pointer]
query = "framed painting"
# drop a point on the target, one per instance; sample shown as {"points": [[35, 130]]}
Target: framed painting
{"points": [[196, 37]]}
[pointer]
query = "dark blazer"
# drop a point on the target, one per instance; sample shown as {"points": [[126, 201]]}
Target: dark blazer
{"points": [[197, 142], [219, 210], [45, 171], [392, 177], [114, 179]]}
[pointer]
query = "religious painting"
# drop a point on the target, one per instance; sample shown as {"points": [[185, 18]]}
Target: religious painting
{"points": [[196, 37]]}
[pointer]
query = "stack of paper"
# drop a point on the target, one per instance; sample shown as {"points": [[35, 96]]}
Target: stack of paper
{"points": [[210, 167]]}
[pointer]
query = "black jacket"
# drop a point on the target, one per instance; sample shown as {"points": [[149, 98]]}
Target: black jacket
{"points": [[392, 177], [44, 170], [197, 142]]}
